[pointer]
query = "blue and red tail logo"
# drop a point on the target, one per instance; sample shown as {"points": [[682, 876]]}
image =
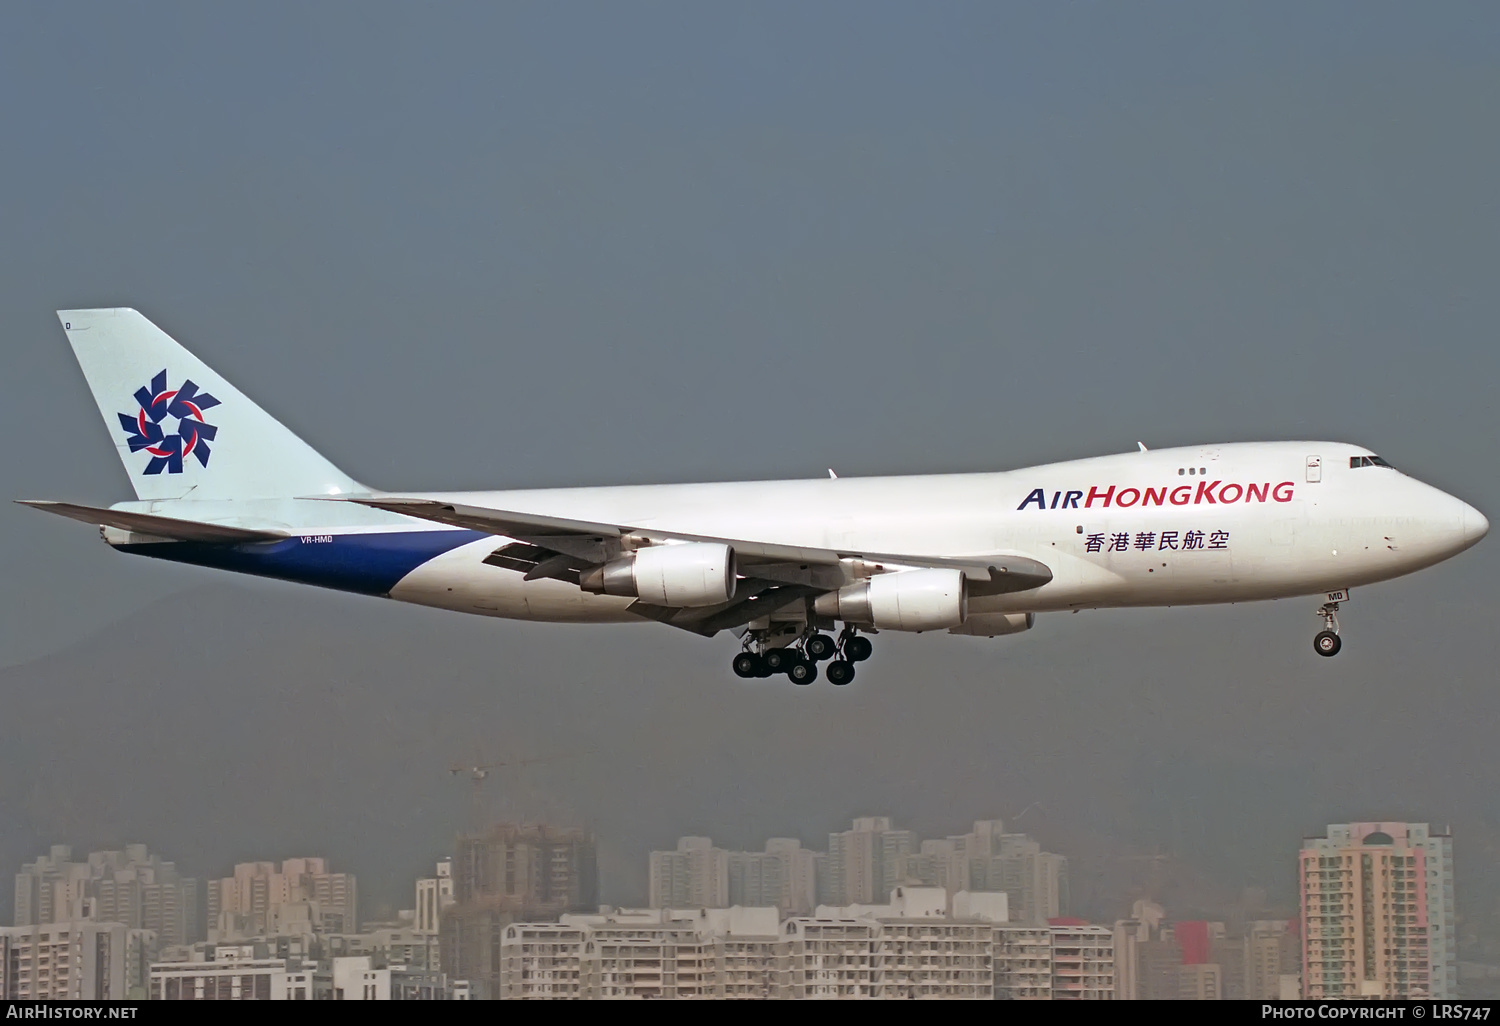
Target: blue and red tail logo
{"points": [[184, 406]]}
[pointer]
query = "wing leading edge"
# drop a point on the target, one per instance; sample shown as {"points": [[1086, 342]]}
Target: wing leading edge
{"points": [[773, 575]]}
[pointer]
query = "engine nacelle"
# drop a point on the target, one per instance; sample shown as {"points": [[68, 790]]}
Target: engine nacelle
{"points": [[908, 600], [992, 625], [689, 574]]}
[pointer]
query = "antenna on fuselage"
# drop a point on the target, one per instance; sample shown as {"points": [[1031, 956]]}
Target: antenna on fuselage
{"points": [[1142, 445]]}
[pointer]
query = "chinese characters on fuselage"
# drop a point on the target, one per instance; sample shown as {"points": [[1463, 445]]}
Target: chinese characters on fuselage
{"points": [[1156, 541]]}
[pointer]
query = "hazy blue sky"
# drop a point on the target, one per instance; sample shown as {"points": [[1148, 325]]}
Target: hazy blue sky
{"points": [[546, 244]]}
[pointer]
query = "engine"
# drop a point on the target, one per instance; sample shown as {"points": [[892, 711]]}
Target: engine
{"points": [[689, 574], [992, 625], [909, 600]]}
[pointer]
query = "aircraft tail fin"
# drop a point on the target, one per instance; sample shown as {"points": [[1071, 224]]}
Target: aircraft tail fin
{"points": [[182, 431]]}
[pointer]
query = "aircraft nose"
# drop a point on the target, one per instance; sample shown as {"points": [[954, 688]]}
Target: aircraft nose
{"points": [[1475, 524]]}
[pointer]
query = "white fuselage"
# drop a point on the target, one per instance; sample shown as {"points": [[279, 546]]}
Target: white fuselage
{"points": [[1226, 523], [221, 483]]}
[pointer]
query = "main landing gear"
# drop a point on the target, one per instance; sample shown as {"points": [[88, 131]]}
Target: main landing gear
{"points": [[1327, 642], [799, 660]]}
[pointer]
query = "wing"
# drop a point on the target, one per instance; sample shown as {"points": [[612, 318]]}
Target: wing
{"points": [[774, 575]]}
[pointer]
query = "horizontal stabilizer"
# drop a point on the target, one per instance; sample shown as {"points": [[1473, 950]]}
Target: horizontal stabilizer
{"points": [[157, 527]]}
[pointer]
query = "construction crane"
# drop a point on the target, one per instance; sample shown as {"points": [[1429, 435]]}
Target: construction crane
{"points": [[479, 772]]}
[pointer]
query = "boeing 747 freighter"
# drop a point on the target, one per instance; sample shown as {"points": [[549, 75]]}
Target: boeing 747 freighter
{"points": [[801, 571]]}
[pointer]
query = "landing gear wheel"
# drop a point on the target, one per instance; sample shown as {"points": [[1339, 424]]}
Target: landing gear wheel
{"points": [[820, 647], [803, 671], [747, 664], [840, 672], [779, 660], [858, 649], [1327, 643]]}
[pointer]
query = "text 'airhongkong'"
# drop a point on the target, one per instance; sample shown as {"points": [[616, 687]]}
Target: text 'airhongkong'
{"points": [[1213, 493]]}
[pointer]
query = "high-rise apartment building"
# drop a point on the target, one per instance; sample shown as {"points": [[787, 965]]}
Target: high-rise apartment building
{"points": [[534, 867], [1134, 940], [867, 861], [647, 953], [544, 961], [921, 943], [131, 887], [958, 862], [755, 879], [51, 888], [1268, 956], [1202, 960], [239, 973], [696, 874], [1036, 880], [856, 956], [261, 900], [784, 875], [511, 873], [434, 894], [74, 961], [1023, 963], [862, 865], [261, 971], [1378, 916], [1200, 981], [1083, 962], [908, 949], [937, 863], [989, 859]]}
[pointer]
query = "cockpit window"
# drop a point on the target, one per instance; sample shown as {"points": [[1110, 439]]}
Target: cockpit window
{"points": [[1367, 461]]}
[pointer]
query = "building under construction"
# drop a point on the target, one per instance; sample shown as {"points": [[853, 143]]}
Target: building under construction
{"points": [[512, 873]]}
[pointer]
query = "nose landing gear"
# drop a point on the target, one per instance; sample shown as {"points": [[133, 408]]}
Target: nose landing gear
{"points": [[1327, 642]]}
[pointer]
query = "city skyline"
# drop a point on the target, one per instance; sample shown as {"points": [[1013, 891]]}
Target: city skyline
{"points": [[914, 864], [517, 914], [316, 878]]}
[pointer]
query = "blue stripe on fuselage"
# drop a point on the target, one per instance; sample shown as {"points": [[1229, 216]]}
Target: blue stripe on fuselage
{"points": [[370, 564]]}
